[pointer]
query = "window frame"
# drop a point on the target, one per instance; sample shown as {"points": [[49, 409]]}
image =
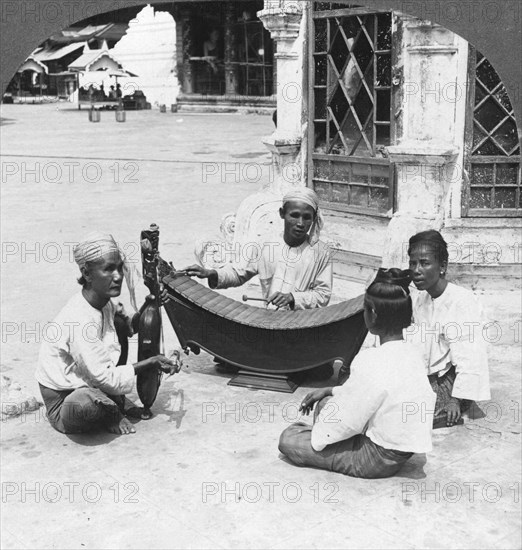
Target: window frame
{"points": [[311, 154], [494, 160]]}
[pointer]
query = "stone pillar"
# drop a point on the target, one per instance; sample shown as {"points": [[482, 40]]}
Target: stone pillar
{"points": [[231, 68], [428, 153], [424, 173], [186, 25], [284, 21]]}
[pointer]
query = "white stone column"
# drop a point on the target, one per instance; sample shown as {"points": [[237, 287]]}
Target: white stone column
{"points": [[285, 21], [429, 149]]}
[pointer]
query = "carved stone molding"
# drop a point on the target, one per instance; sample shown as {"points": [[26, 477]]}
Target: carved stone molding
{"points": [[425, 171], [284, 27]]}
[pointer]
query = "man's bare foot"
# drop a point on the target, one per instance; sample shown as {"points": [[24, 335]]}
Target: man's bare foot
{"points": [[121, 427]]}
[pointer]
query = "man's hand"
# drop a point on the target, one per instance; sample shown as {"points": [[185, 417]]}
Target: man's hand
{"points": [[175, 357], [164, 295], [159, 362], [312, 398], [198, 271], [120, 311], [279, 299], [453, 413], [202, 273], [166, 365]]}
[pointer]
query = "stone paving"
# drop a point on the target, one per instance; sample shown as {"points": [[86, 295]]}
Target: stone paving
{"points": [[205, 471]]}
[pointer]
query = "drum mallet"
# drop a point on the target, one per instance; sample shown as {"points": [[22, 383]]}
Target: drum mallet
{"points": [[245, 298]]}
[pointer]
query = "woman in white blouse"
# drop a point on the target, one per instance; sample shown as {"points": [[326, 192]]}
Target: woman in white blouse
{"points": [[449, 328]]}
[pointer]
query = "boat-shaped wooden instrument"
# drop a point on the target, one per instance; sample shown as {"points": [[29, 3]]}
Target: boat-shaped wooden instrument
{"points": [[258, 339]]}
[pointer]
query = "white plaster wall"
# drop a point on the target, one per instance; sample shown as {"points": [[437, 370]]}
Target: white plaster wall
{"points": [[430, 74], [148, 49], [453, 208], [435, 97]]}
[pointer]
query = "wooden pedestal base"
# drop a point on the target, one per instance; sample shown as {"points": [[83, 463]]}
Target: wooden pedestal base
{"points": [[259, 381]]}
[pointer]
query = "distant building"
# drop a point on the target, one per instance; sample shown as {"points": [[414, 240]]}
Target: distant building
{"points": [[46, 70], [192, 53], [225, 55]]}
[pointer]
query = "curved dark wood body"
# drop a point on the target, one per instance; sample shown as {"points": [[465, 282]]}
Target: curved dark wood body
{"points": [[149, 327], [262, 340], [149, 338]]}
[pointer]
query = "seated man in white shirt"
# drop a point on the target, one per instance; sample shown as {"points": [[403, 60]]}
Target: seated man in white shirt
{"points": [[296, 271], [81, 380], [372, 424]]}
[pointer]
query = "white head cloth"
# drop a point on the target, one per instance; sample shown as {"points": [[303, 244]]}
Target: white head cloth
{"points": [[308, 196], [96, 245]]}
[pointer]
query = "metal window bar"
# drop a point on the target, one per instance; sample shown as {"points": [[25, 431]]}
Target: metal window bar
{"points": [[473, 158], [333, 27], [351, 105]]}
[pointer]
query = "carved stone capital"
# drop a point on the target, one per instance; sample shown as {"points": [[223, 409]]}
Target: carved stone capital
{"points": [[281, 146], [418, 152], [282, 22]]}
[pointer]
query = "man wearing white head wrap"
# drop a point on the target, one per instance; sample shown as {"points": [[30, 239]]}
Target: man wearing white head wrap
{"points": [[308, 196], [94, 247], [79, 371], [296, 271]]}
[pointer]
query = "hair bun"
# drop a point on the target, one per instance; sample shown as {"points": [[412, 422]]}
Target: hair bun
{"points": [[394, 276]]}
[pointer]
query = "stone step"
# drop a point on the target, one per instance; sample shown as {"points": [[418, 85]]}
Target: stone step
{"points": [[486, 277], [204, 103]]}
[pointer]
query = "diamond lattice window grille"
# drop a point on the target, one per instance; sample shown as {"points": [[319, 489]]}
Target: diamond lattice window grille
{"points": [[493, 161], [351, 62], [354, 79]]}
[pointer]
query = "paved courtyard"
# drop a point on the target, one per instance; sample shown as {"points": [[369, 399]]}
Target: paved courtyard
{"points": [[205, 471]]}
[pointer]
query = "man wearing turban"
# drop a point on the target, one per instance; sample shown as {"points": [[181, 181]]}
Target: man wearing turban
{"points": [[81, 380], [295, 272]]}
